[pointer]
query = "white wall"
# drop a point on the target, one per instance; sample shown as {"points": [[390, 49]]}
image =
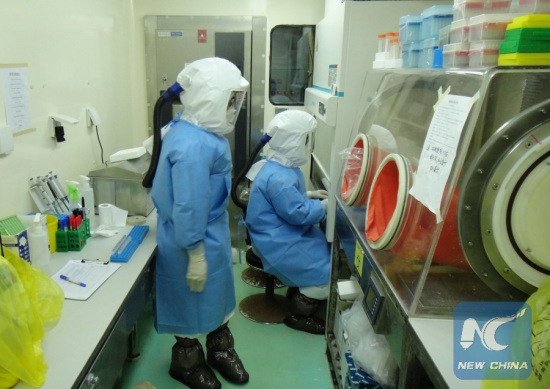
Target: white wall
{"points": [[90, 53]]}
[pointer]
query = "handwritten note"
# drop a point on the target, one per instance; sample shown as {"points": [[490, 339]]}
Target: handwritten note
{"points": [[439, 151]]}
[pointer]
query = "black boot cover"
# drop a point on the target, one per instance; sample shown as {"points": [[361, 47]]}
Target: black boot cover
{"points": [[188, 365], [300, 315], [221, 355]]}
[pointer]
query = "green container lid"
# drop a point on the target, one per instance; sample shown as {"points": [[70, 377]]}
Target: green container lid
{"points": [[542, 34], [524, 46]]}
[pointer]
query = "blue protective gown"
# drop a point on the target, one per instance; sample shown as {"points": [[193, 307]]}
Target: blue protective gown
{"points": [[191, 193], [282, 223]]}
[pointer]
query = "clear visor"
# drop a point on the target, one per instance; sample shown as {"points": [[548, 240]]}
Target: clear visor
{"points": [[234, 105], [310, 142]]}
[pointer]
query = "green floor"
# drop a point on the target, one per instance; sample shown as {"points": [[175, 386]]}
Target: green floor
{"points": [[274, 355]]}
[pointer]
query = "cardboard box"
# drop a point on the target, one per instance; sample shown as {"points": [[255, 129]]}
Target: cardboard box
{"points": [[18, 242]]}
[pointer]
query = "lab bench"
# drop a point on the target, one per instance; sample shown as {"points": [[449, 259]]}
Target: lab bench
{"points": [[93, 338]]}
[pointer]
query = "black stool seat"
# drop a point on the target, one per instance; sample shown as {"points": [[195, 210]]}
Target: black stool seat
{"points": [[268, 307], [254, 274]]}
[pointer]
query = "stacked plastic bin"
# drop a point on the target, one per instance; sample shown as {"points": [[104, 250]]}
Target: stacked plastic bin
{"points": [[527, 42], [419, 35], [476, 33]]}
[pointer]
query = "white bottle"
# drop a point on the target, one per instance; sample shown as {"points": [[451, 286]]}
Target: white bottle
{"points": [[87, 194], [39, 244]]}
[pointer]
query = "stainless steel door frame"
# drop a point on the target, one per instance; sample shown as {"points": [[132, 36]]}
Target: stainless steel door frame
{"points": [[171, 41]]}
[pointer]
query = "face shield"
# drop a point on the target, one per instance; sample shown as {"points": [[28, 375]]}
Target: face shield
{"points": [[214, 92], [236, 100]]}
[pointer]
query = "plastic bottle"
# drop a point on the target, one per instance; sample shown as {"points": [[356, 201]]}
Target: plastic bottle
{"points": [[88, 202], [74, 195], [39, 244]]}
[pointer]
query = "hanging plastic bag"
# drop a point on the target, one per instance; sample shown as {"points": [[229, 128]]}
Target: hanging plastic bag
{"points": [[370, 351], [30, 303]]}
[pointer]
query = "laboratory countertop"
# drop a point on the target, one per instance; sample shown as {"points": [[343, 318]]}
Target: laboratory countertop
{"points": [[70, 345], [436, 337]]}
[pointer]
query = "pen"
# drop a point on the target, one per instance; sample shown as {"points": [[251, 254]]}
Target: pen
{"points": [[73, 281], [95, 261], [124, 244], [119, 243]]}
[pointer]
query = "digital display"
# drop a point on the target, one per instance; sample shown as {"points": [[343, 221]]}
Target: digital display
{"points": [[370, 300]]}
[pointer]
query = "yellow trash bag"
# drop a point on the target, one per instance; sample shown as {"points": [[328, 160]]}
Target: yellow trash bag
{"points": [[30, 304], [539, 302]]}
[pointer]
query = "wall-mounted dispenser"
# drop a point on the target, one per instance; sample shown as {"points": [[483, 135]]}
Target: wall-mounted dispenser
{"points": [[92, 117], [57, 130]]}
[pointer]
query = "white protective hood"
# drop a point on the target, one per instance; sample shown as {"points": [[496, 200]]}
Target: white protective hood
{"points": [[208, 86], [289, 145]]}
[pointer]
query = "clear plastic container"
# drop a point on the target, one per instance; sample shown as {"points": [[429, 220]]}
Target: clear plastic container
{"points": [[465, 9], [381, 43], [455, 55], [409, 28], [394, 49], [489, 27], [445, 36], [497, 6], [434, 19], [406, 55], [429, 47], [415, 56], [459, 31], [483, 53], [389, 36], [530, 6]]}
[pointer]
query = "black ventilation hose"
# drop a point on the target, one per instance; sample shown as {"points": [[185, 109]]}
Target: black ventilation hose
{"points": [[167, 97], [261, 143]]}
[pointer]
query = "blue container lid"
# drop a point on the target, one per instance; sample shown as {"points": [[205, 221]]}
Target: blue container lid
{"points": [[438, 10], [410, 19]]}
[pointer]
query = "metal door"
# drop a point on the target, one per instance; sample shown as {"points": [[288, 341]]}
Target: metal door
{"points": [[172, 41]]}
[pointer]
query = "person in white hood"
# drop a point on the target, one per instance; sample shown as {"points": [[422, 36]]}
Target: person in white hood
{"points": [[195, 293], [282, 219]]}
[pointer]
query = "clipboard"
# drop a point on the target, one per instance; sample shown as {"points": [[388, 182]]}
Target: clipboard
{"points": [[90, 274]]}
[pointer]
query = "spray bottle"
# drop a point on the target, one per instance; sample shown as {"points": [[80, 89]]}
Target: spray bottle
{"points": [[39, 244], [74, 195], [88, 201]]}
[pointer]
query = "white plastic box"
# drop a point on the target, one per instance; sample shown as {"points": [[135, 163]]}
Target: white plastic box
{"points": [[465, 9], [455, 55], [459, 31], [530, 6], [445, 36], [489, 26], [497, 6], [483, 53]]}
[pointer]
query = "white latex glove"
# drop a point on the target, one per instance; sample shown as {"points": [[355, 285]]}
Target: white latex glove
{"points": [[197, 268], [324, 204], [320, 194]]}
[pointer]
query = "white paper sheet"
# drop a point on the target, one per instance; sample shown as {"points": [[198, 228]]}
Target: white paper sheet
{"points": [[90, 274], [15, 88], [439, 151]]}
